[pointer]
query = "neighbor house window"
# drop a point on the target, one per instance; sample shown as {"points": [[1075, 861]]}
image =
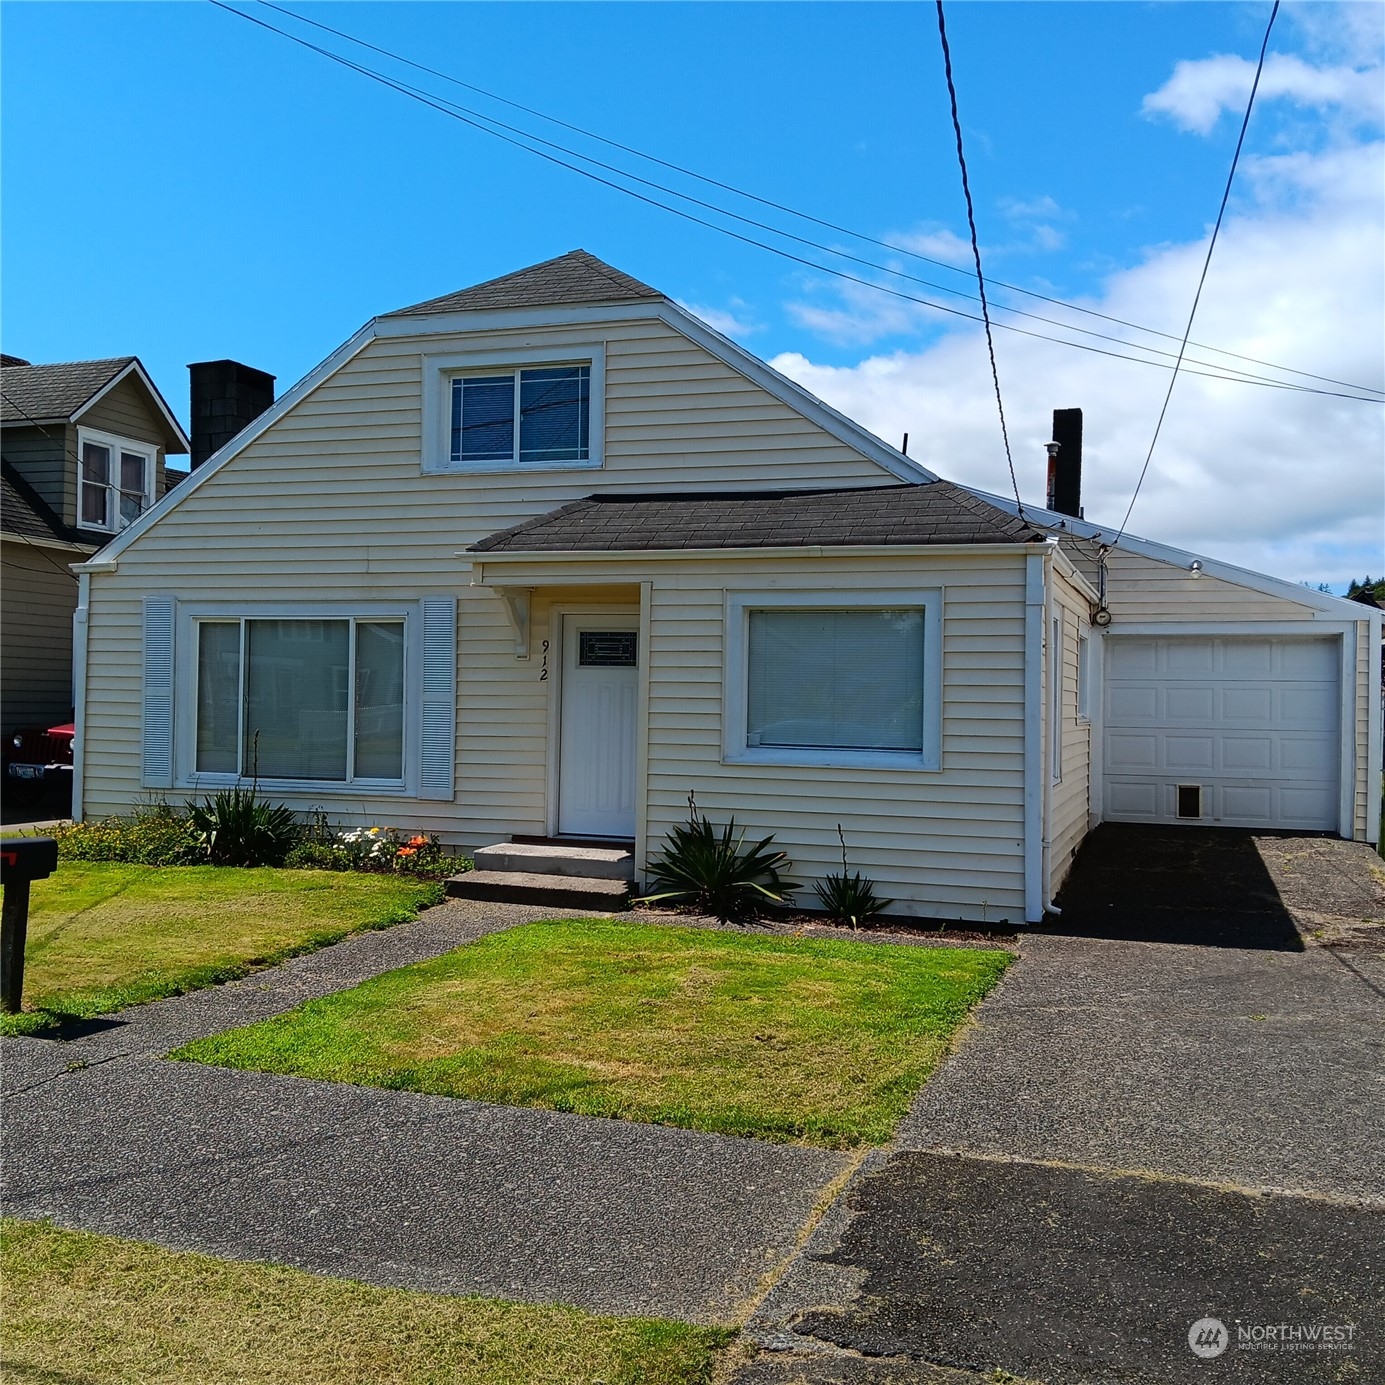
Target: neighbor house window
{"points": [[1084, 677], [835, 683], [115, 480], [314, 700], [529, 417]]}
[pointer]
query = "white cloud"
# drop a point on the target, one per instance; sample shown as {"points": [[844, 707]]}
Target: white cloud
{"points": [[721, 320], [1199, 91], [1291, 484], [935, 244], [1036, 209]]}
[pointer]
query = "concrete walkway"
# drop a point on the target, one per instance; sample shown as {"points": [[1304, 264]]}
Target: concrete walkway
{"points": [[393, 1188], [1130, 1136]]}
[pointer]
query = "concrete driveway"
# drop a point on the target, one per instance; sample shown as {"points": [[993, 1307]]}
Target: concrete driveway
{"points": [[1133, 1135]]}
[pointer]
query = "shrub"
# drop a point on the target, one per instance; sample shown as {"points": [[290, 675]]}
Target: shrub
{"points": [[849, 897], [154, 835], [317, 856], [715, 873], [238, 828]]}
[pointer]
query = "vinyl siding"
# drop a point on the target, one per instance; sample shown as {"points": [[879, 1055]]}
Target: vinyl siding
{"points": [[1070, 802], [36, 672], [330, 505], [1367, 686], [943, 844], [45, 459]]}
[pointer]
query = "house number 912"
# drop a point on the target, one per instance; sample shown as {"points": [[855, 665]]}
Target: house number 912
{"points": [[543, 667]]}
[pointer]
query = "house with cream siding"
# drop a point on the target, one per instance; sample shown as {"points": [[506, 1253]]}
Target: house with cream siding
{"points": [[540, 558]]}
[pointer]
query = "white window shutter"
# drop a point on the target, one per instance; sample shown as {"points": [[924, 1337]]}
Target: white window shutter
{"points": [[438, 733], [157, 737]]}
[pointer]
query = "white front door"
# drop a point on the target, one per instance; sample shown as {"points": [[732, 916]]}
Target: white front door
{"points": [[599, 698]]}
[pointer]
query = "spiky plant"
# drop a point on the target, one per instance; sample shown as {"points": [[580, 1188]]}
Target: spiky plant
{"points": [[849, 897], [715, 871], [238, 828]]}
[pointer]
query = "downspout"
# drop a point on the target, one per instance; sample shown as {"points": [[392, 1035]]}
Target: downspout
{"points": [[1053, 668], [80, 626], [1034, 607]]}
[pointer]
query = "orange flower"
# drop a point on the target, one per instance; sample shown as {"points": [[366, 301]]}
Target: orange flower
{"points": [[418, 841], [406, 851]]}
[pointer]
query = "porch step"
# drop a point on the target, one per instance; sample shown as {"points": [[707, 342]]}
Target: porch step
{"points": [[553, 858], [528, 887]]}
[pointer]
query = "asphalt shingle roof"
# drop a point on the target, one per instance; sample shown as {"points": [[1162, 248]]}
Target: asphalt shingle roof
{"points": [[576, 277], [53, 391], [934, 513], [24, 513]]}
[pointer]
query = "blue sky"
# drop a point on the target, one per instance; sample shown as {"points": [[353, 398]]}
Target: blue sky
{"points": [[180, 184]]}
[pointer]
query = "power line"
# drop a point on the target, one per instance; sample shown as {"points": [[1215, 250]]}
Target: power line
{"points": [[790, 211], [484, 123], [976, 254], [1206, 265]]}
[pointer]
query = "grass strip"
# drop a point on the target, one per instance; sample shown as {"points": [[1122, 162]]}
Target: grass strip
{"points": [[819, 1041], [82, 1308], [104, 936]]}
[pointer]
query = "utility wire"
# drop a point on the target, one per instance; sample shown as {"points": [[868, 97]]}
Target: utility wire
{"points": [[1206, 265], [976, 254], [790, 211], [475, 121]]}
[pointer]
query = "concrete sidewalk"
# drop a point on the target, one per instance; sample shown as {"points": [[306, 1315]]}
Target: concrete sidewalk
{"points": [[393, 1188]]}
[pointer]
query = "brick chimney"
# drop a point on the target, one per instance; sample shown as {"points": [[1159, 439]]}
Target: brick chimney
{"points": [[225, 397], [1065, 463]]}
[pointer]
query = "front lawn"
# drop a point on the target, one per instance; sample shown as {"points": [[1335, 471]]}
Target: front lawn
{"points": [[80, 1307], [104, 936], [777, 1038]]}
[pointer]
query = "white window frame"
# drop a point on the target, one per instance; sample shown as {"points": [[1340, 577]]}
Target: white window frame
{"points": [[736, 682], [441, 370], [116, 444], [1084, 676], [193, 614]]}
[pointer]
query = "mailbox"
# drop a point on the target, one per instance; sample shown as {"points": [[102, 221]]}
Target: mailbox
{"points": [[22, 859], [27, 858]]}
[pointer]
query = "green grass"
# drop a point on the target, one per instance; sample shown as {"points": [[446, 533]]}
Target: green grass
{"points": [[81, 1308], [776, 1038], [104, 936]]}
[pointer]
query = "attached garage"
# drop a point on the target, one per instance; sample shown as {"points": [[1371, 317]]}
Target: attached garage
{"points": [[1230, 731]]}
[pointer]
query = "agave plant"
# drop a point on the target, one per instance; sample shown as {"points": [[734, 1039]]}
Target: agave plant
{"points": [[716, 872], [849, 897], [238, 828]]}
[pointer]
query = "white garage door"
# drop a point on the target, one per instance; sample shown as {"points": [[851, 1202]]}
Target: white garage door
{"points": [[1233, 732]]}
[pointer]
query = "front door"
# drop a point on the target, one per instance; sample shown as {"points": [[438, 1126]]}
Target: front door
{"points": [[599, 698]]}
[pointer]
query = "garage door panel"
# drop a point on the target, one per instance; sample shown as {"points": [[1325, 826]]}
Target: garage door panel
{"points": [[1252, 721], [1186, 753], [1193, 705], [1125, 752], [1254, 705], [1247, 754]]}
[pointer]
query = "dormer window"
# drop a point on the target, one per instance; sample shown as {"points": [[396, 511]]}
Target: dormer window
{"points": [[527, 411], [115, 480], [530, 417]]}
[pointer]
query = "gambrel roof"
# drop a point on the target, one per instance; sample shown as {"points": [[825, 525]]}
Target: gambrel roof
{"points": [[576, 277], [936, 512]]}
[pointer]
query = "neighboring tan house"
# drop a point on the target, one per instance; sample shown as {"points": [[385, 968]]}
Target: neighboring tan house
{"points": [[545, 555], [83, 446]]}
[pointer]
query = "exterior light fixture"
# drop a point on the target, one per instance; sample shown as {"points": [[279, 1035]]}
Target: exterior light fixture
{"points": [[1195, 567]]}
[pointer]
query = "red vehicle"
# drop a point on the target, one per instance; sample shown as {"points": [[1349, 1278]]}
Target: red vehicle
{"points": [[38, 764]]}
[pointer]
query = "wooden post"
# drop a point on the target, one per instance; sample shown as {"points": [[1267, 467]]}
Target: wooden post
{"points": [[14, 930]]}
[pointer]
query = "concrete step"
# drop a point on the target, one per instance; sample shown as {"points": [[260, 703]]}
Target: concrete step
{"points": [[555, 891], [551, 858]]}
